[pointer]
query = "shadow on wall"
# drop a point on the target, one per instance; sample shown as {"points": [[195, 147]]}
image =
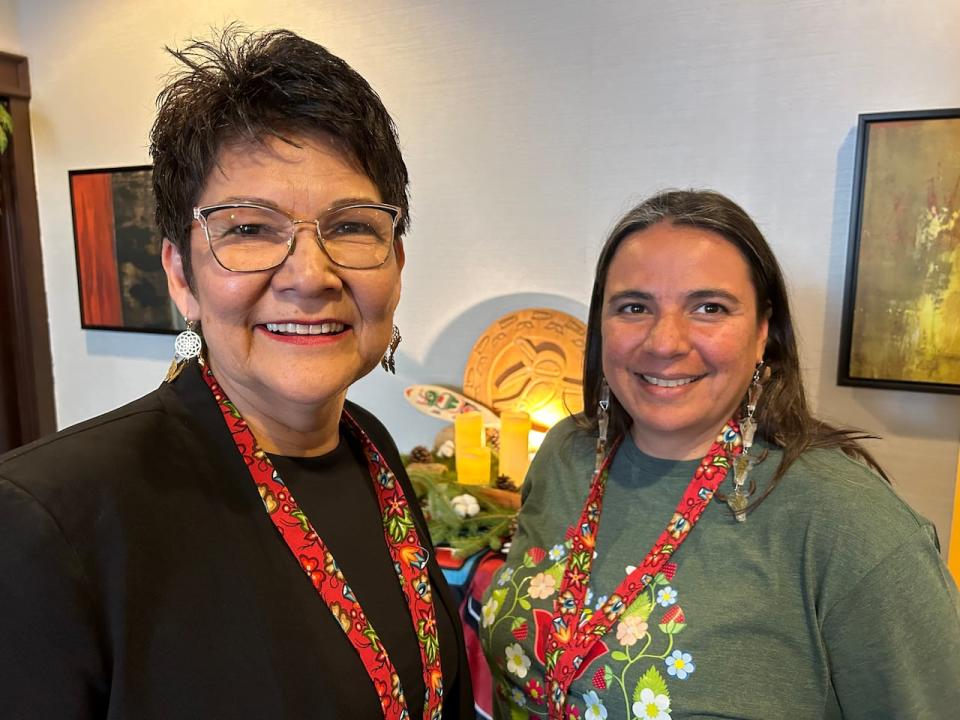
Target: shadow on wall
{"points": [[450, 351], [443, 364], [144, 346]]}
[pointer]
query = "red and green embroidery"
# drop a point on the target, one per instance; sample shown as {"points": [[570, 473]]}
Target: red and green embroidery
{"points": [[572, 637], [408, 555]]}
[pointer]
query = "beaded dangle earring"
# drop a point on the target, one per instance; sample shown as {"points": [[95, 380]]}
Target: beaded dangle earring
{"points": [[743, 464], [187, 346], [603, 422], [387, 362]]}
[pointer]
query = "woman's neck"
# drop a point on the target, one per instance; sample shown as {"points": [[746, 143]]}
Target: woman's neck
{"points": [[288, 428]]}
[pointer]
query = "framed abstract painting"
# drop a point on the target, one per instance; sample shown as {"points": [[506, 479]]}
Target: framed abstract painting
{"points": [[121, 281], [901, 307]]}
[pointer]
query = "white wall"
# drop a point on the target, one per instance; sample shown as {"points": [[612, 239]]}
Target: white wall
{"points": [[9, 34], [527, 128]]}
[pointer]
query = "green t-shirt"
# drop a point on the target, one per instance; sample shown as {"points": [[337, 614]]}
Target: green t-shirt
{"points": [[830, 601]]}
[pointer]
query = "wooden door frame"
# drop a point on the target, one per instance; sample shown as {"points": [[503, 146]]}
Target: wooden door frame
{"points": [[33, 365]]}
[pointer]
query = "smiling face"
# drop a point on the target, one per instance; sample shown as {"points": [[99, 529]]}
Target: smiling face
{"points": [[681, 336], [286, 343]]}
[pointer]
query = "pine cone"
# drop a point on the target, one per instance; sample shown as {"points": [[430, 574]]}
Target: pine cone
{"points": [[420, 454], [505, 483]]}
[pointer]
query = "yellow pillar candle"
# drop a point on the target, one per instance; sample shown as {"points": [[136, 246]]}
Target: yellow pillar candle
{"points": [[473, 466], [468, 430], [514, 445]]}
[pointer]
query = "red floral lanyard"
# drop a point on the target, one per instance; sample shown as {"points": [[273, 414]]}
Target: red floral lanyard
{"points": [[409, 559], [569, 642]]}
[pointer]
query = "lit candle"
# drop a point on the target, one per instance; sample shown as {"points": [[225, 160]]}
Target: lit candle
{"points": [[473, 466], [468, 430], [514, 445]]}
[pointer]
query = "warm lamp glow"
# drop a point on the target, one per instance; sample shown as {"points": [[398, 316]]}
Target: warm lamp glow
{"points": [[536, 440], [548, 415]]}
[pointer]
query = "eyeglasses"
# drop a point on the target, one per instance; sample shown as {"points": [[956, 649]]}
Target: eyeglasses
{"points": [[245, 237]]}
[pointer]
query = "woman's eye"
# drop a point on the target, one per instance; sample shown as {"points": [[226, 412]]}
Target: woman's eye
{"points": [[711, 308], [351, 228], [633, 308], [246, 230]]}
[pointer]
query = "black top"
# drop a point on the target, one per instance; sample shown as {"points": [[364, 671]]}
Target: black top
{"points": [[340, 479], [141, 578]]}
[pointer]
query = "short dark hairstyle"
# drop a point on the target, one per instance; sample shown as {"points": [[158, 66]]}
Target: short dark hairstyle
{"points": [[783, 415], [248, 87]]}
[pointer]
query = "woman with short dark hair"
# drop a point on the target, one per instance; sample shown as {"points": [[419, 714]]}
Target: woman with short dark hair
{"points": [[243, 542], [697, 544]]}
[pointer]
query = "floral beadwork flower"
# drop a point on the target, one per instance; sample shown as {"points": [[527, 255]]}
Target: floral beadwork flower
{"points": [[652, 706], [517, 696], [542, 586], [680, 664], [666, 596], [600, 602], [489, 612], [535, 691], [557, 552], [505, 576], [630, 630], [517, 661], [595, 709]]}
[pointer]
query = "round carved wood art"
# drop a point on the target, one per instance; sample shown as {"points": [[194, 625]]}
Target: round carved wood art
{"points": [[530, 360]]}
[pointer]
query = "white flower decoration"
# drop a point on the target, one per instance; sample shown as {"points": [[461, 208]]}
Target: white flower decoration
{"points": [[465, 505], [446, 449], [517, 661], [652, 706], [489, 612]]}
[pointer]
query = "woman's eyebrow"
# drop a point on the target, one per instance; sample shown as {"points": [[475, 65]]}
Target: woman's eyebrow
{"points": [[630, 295], [713, 294]]}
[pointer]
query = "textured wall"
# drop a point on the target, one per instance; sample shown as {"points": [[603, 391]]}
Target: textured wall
{"points": [[9, 33], [527, 128]]}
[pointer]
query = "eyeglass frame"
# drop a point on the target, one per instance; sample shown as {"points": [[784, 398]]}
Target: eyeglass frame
{"points": [[200, 214]]}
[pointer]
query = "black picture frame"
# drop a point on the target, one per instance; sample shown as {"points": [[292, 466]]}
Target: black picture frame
{"points": [[899, 311], [120, 279]]}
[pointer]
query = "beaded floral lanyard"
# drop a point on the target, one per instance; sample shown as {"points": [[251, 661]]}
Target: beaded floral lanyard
{"points": [[408, 555], [569, 641]]}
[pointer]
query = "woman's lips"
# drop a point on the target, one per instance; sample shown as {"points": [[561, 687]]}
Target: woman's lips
{"points": [[321, 328], [304, 333], [669, 382]]}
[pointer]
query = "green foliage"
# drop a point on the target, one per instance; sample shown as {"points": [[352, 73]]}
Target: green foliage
{"points": [[6, 128], [436, 489], [653, 680], [641, 607]]}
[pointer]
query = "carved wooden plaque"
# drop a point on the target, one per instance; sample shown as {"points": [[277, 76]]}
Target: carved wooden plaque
{"points": [[529, 360]]}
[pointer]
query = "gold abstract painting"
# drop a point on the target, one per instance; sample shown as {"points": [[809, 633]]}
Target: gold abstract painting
{"points": [[902, 319]]}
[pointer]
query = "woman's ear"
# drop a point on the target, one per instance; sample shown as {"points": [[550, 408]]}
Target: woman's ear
{"points": [[398, 252], [177, 283]]}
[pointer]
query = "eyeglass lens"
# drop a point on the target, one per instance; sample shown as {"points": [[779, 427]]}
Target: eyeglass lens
{"points": [[256, 238]]}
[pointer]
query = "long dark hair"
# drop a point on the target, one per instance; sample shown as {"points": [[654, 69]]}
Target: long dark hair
{"points": [[784, 418]]}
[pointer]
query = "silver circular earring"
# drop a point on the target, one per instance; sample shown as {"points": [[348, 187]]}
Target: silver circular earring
{"points": [[187, 346]]}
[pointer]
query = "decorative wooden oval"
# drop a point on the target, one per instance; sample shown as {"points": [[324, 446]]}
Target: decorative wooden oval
{"points": [[529, 360]]}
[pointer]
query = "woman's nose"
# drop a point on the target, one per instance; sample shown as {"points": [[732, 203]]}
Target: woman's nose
{"points": [[308, 268], [668, 336]]}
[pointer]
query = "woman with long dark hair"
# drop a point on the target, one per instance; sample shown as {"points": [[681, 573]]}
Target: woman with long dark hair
{"points": [[697, 544]]}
